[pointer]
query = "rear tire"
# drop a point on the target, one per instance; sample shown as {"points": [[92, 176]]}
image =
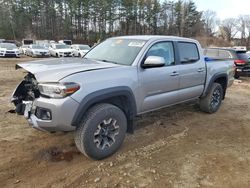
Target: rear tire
{"points": [[236, 76], [211, 103], [102, 131]]}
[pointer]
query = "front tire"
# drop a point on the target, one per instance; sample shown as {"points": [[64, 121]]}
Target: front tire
{"points": [[102, 131], [211, 103]]}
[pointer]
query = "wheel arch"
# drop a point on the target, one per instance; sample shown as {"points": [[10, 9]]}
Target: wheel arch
{"points": [[221, 78], [121, 96]]}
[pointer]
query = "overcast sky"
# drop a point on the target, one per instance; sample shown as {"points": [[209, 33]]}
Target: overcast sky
{"points": [[225, 8]]}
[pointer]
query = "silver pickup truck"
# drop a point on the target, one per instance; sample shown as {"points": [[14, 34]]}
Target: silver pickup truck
{"points": [[99, 96]]}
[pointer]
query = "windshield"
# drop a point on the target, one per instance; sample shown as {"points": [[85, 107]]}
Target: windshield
{"points": [[61, 46], [84, 47], [7, 45], [119, 51], [37, 47], [46, 45]]}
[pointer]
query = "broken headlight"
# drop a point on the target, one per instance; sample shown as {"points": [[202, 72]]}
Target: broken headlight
{"points": [[58, 90]]}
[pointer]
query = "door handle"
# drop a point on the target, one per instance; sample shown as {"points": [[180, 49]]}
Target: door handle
{"points": [[174, 73], [200, 70]]}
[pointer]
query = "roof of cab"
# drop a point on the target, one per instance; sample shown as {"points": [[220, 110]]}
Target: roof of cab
{"points": [[153, 37]]}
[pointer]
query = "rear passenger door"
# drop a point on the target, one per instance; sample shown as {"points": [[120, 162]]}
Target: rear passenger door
{"points": [[192, 71]]}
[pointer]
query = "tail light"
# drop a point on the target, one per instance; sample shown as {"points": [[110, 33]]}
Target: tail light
{"points": [[239, 62]]}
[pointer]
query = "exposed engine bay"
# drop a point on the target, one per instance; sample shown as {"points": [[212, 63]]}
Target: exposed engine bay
{"points": [[26, 91]]}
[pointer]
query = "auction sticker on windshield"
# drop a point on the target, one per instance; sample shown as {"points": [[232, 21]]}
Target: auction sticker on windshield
{"points": [[136, 44]]}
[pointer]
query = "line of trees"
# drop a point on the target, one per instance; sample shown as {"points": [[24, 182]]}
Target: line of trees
{"points": [[97, 19], [93, 20]]}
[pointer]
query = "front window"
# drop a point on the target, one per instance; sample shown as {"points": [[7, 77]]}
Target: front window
{"points": [[119, 51], [164, 50]]}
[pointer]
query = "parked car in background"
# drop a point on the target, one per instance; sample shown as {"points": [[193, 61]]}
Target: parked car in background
{"points": [[240, 57], [99, 96], [80, 49], [27, 41], [46, 45], [23, 49], [60, 50], [68, 42], [35, 50], [9, 50], [52, 42]]}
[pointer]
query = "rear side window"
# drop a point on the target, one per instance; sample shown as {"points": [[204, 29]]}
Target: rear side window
{"points": [[188, 52], [211, 52], [223, 54], [242, 55]]}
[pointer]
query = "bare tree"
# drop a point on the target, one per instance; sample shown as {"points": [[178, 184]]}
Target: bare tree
{"points": [[210, 22], [242, 28], [247, 25], [228, 29]]}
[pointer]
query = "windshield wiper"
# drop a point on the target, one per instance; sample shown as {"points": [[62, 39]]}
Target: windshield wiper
{"points": [[106, 61], [102, 60]]}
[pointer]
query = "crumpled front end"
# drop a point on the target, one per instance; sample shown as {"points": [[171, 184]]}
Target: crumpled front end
{"points": [[46, 114]]}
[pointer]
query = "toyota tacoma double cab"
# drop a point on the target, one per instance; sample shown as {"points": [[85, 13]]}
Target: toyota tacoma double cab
{"points": [[99, 95]]}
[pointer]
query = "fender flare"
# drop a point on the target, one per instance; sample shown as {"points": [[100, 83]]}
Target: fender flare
{"points": [[101, 95], [212, 80]]}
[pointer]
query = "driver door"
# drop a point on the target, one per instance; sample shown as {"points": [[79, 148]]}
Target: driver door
{"points": [[160, 84]]}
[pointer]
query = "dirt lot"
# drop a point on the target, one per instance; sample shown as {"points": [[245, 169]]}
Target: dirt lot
{"points": [[174, 147]]}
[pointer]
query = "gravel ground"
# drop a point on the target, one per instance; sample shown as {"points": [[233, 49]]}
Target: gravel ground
{"points": [[174, 147]]}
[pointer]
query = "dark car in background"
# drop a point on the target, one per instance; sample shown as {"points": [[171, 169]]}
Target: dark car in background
{"points": [[240, 57]]}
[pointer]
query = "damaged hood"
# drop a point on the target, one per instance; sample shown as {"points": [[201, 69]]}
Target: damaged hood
{"points": [[53, 70]]}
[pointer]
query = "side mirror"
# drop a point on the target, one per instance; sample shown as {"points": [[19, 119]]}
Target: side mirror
{"points": [[153, 61]]}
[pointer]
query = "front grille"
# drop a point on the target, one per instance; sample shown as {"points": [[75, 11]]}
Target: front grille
{"points": [[10, 55], [10, 52]]}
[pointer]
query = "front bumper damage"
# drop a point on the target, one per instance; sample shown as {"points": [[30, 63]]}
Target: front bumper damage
{"points": [[50, 115], [46, 114]]}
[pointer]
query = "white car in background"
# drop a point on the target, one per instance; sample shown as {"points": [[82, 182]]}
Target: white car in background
{"points": [[24, 48], [60, 50], [80, 49], [9, 50], [35, 50]]}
